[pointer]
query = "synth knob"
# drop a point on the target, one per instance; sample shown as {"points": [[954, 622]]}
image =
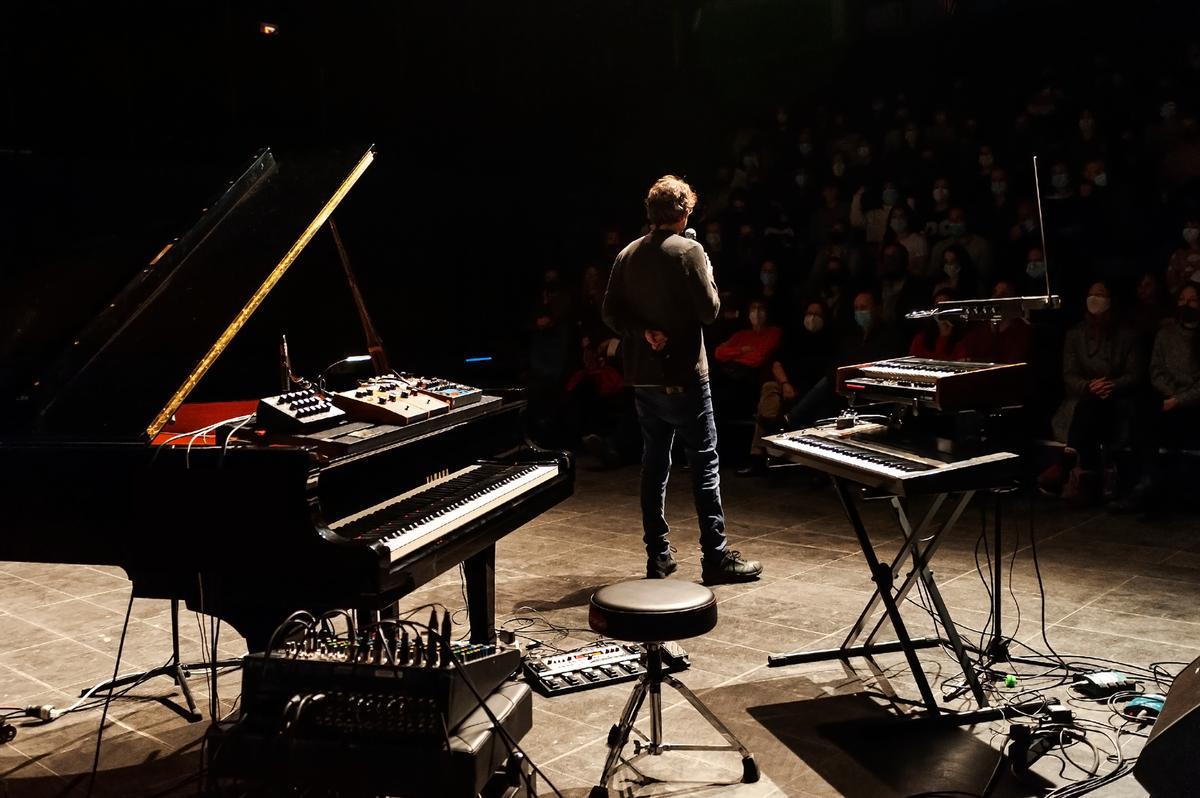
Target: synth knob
{"points": [[383, 400]]}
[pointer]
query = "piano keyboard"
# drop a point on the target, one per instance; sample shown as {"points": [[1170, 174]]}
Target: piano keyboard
{"points": [[919, 369], [859, 456], [409, 521], [881, 466]]}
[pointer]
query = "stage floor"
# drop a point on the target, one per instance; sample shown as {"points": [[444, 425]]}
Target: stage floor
{"points": [[1114, 587]]}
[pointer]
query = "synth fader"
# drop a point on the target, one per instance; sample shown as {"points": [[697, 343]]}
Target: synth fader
{"points": [[453, 393]]}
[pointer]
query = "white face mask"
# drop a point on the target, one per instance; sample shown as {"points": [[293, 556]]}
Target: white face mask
{"points": [[1190, 234], [900, 226], [940, 194], [813, 322], [757, 317], [839, 169], [1098, 305], [952, 269]]}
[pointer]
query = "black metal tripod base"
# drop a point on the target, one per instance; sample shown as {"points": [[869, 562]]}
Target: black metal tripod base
{"points": [[827, 654], [177, 672]]}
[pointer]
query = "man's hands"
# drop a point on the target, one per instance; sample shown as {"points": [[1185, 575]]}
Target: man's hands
{"points": [[656, 338], [788, 391], [1101, 387], [1169, 404]]}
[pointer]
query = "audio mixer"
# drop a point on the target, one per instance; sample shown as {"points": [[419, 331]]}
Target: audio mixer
{"points": [[389, 401]]}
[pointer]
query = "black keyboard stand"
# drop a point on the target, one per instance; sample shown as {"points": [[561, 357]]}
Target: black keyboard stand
{"points": [[920, 544]]}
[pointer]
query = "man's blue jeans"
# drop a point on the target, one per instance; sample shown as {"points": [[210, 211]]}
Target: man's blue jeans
{"points": [[690, 416]]}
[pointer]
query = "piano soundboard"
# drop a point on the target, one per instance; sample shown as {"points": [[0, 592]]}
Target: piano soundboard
{"points": [[867, 454]]}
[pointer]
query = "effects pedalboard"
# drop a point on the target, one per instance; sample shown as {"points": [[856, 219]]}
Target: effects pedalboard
{"points": [[599, 665]]}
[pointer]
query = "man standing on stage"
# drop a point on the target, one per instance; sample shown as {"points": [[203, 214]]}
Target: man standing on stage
{"points": [[660, 294]]}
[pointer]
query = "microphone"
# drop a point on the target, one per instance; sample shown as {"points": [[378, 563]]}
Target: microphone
{"points": [[690, 233]]}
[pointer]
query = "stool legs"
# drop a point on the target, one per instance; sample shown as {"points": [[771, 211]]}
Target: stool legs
{"points": [[651, 683]]}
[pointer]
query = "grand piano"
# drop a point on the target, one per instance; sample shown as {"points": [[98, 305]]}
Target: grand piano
{"points": [[251, 526]]}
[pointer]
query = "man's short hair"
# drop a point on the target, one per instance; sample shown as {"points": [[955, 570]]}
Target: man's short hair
{"points": [[669, 200]]}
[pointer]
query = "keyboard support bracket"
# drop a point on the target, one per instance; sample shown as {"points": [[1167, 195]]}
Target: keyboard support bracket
{"points": [[918, 547]]}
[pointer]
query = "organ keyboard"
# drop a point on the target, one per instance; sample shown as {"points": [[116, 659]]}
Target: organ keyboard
{"points": [[938, 384]]}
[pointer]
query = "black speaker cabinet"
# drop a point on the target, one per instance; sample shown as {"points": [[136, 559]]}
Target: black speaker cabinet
{"points": [[1169, 766]]}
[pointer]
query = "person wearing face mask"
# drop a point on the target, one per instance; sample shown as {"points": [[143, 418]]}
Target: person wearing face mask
{"points": [[875, 221], [915, 244], [837, 171], [661, 293], [958, 272], [976, 246], [768, 279], [1185, 260], [940, 339], [1102, 368], [1170, 415], [801, 362], [749, 349]]}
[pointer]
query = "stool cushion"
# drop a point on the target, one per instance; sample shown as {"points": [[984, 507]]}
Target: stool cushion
{"points": [[653, 610]]}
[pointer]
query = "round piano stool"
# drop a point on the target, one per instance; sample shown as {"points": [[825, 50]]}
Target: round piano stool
{"points": [[653, 612]]}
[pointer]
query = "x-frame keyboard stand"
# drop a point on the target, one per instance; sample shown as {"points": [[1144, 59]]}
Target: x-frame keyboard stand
{"points": [[919, 545]]}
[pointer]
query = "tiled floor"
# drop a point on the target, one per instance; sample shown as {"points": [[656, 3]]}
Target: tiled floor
{"points": [[1114, 588]]}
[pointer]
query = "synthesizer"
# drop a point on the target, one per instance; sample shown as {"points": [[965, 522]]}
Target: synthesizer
{"points": [[303, 409], [870, 455], [597, 665], [938, 384], [389, 401], [452, 393]]}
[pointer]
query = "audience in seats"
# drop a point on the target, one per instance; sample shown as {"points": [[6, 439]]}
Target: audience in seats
{"points": [[803, 361], [1007, 341], [1170, 415], [1102, 370], [940, 339], [744, 359]]}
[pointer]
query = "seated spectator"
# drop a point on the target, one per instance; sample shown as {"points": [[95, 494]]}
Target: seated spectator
{"points": [[1102, 368], [802, 362], [1150, 310], [874, 222], [974, 245], [913, 241], [770, 293], [847, 254], [743, 360], [940, 339], [1006, 341], [1185, 260], [937, 225], [832, 286], [871, 339], [958, 273], [832, 212], [899, 290], [1033, 282], [1171, 416]]}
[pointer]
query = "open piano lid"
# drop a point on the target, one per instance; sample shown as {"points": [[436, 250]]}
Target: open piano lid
{"points": [[136, 362]]}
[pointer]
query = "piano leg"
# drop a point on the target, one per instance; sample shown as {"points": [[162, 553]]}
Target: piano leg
{"points": [[480, 570]]}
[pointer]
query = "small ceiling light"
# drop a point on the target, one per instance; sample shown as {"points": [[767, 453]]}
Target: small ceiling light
{"points": [[268, 28]]}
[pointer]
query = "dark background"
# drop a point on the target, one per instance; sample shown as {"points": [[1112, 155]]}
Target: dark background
{"points": [[510, 137]]}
